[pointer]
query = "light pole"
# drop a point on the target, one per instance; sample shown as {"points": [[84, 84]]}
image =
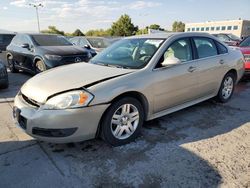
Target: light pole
{"points": [[36, 6]]}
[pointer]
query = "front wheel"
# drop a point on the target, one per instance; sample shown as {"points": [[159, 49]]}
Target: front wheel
{"points": [[40, 66], [122, 122], [227, 88]]}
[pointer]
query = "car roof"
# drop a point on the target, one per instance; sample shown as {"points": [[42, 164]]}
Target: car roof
{"points": [[170, 34]]}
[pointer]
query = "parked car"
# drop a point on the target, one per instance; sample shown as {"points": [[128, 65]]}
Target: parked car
{"points": [[82, 42], [95, 43], [5, 40], [4, 81], [245, 49], [229, 39], [134, 80], [36, 53]]}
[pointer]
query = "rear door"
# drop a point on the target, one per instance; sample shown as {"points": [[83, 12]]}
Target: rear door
{"points": [[210, 65]]}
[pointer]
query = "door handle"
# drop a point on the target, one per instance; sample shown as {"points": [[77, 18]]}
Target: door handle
{"points": [[191, 69], [222, 61]]}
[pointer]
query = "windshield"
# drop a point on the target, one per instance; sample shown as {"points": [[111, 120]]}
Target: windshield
{"points": [[129, 53], [245, 43], [98, 42], [50, 40], [233, 37]]}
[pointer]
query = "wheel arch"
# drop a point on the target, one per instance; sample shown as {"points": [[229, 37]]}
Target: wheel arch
{"points": [[234, 72], [134, 94]]}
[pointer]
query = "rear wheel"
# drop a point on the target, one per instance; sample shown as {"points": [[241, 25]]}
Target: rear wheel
{"points": [[227, 88], [40, 66], [122, 122], [11, 64]]}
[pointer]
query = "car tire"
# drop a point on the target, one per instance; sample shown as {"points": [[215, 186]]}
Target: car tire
{"points": [[227, 88], [11, 64], [122, 121], [40, 66]]}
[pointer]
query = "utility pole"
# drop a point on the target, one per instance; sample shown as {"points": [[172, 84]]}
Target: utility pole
{"points": [[36, 6]]}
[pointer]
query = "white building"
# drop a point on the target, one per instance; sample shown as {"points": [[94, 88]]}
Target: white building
{"points": [[240, 28]]}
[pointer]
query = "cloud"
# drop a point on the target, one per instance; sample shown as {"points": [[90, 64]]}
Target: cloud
{"points": [[5, 8], [143, 5], [19, 3]]}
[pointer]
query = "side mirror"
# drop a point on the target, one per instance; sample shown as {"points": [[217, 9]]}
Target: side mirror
{"points": [[25, 45], [87, 46], [170, 61]]}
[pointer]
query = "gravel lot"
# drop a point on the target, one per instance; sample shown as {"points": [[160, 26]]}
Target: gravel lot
{"points": [[207, 145]]}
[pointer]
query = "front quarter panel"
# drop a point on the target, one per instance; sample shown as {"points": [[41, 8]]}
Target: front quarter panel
{"points": [[139, 81]]}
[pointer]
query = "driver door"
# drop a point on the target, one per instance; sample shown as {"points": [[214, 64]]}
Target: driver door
{"points": [[176, 84]]}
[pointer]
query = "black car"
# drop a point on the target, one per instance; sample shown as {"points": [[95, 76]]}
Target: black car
{"points": [[82, 42], [5, 40], [4, 81], [38, 52]]}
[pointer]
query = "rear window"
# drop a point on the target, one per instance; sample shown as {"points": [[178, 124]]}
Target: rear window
{"points": [[245, 43], [221, 48], [205, 47], [50, 40]]}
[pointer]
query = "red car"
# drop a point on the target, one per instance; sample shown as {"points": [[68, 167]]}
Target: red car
{"points": [[245, 49]]}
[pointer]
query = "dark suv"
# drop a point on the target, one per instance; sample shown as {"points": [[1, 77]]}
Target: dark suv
{"points": [[5, 40], [38, 52]]}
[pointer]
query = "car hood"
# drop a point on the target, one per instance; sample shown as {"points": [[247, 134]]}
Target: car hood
{"points": [[245, 50], [68, 77], [63, 50]]}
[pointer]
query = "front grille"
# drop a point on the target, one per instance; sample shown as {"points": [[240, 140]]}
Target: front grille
{"points": [[74, 59], [30, 101]]}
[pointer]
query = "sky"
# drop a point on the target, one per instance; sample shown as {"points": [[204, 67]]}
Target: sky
{"points": [[17, 15]]}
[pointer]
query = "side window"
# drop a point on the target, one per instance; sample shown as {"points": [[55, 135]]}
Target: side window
{"points": [[180, 49], [205, 47], [16, 40], [221, 48], [23, 40], [83, 42]]}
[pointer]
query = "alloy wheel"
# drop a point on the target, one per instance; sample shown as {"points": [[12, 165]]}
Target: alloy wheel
{"points": [[227, 87], [125, 121]]}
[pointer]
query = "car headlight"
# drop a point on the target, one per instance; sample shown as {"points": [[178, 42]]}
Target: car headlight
{"points": [[68, 100], [53, 57]]}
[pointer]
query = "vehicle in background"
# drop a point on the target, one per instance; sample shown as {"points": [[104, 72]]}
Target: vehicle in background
{"points": [[245, 49], [5, 40], [82, 42], [4, 81], [95, 43], [36, 53], [229, 39], [136, 79], [113, 40], [98, 43]]}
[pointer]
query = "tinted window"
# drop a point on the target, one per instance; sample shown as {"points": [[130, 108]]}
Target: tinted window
{"points": [[245, 43], [180, 49], [50, 40], [229, 27], [128, 53], [74, 41], [207, 28], [5, 38], [202, 29], [197, 29], [212, 28], [221, 48], [205, 47], [218, 28], [223, 28], [193, 29], [24, 40], [17, 40]]}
